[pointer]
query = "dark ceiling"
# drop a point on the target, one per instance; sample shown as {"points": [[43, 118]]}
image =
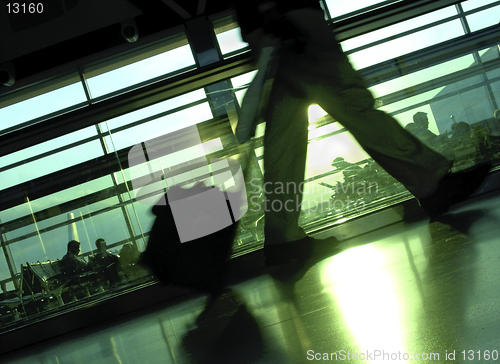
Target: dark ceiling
{"points": [[68, 30]]}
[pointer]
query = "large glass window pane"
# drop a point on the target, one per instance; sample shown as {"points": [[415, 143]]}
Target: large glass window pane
{"points": [[484, 18], [427, 75], [321, 153], [228, 36], [145, 70], [458, 116], [52, 163], [39, 231], [403, 110], [162, 125], [47, 231], [473, 4], [52, 201], [406, 44], [152, 110], [141, 218], [47, 146], [230, 41], [473, 103], [451, 106], [395, 29], [41, 105], [341, 7]]}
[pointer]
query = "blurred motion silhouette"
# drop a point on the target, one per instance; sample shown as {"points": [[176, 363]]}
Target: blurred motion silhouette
{"points": [[313, 69], [71, 262]]}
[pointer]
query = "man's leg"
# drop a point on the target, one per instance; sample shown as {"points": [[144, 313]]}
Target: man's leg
{"points": [[285, 150], [341, 93], [329, 80], [424, 172]]}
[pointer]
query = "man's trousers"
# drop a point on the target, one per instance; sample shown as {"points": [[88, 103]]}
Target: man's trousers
{"points": [[321, 74]]}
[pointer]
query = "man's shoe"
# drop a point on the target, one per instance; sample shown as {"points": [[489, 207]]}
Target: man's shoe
{"points": [[299, 251], [454, 188]]}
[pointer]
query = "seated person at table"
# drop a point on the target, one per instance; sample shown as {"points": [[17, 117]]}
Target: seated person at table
{"points": [[420, 128], [100, 244], [108, 262], [71, 262]]}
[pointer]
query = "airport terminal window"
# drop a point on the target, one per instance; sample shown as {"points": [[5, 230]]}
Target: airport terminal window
{"points": [[111, 76], [228, 35], [52, 163], [338, 8], [161, 107], [159, 126], [37, 230], [48, 217], [474, 4], [393, 48], [429, 76], [41, 105], [401, 27], [45, 148], [230, 41], [484, 18], [51, 202], [449, 95], [427, 91]]}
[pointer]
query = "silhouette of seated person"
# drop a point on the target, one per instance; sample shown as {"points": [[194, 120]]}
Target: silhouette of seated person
{"points": [[486, 142], [107, 263], [353, 175], [420, 129], [71, 262], [462, 144], [349, 171], [496, 116], [461, 132], [101, 252], [493, 135]]}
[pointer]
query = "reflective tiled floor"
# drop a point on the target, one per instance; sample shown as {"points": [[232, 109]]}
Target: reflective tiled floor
{"points": [[423, 290]]}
